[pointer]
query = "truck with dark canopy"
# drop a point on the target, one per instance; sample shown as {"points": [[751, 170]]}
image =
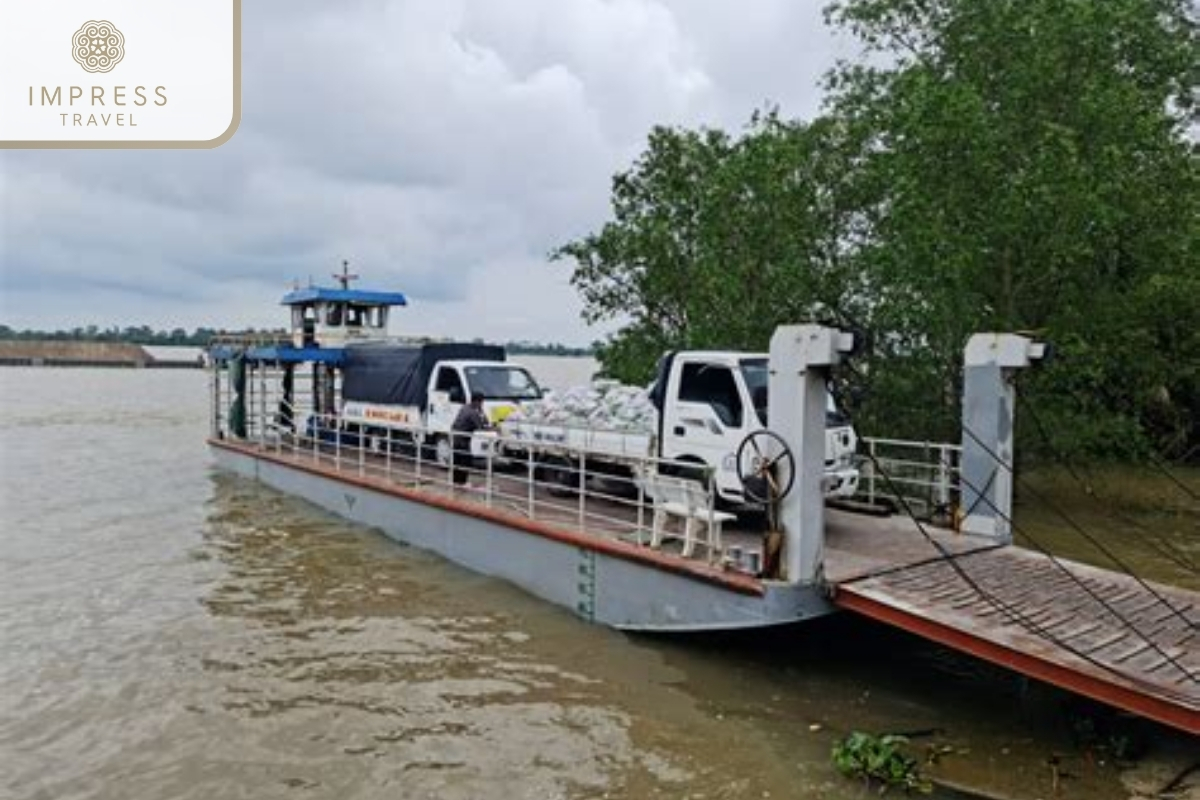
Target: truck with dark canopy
{"points": [[417, 390]]}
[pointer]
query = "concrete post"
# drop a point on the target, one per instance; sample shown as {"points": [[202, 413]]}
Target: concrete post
{"points": [[801, 357], [988, 411]]}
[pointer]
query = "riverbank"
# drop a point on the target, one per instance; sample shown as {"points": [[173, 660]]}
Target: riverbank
{"points": [[97, 354], [1142, 517]]}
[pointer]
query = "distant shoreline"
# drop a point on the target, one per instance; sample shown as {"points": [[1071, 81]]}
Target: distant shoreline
{"points": [[18, 353], [144, 336], [130, 355]]}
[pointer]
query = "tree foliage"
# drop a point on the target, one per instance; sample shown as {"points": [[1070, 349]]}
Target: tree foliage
{"points": [[990, 165], [715, 238]]}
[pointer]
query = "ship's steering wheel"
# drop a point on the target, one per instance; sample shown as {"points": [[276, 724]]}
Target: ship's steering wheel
{"points": [[764, 460]]}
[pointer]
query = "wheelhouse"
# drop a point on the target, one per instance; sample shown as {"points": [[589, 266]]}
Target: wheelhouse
{"points": [[323, 317]]}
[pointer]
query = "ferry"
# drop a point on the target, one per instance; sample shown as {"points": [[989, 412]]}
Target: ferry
{"points": [[776, 525]]}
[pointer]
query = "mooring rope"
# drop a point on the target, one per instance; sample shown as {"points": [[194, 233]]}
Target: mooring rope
{"points": [[1110, 608], [1095, 542]]}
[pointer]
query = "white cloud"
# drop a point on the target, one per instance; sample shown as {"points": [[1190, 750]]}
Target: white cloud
{"points": [[443, 147]]}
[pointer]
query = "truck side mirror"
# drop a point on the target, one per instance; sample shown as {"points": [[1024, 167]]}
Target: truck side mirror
{"points": [[456, 395]]}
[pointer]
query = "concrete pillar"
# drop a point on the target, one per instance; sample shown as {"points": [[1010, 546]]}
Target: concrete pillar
{"points": [[990, 363], [801, 357]]}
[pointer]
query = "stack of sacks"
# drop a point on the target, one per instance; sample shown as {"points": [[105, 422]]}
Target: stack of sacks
{"points": [[605, 405]]}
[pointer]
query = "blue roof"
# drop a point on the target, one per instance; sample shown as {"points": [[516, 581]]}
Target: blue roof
{"points": [[285, 354], [317, 293], [297, 355]]}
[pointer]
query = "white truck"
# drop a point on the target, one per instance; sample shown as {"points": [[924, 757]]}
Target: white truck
{"points": [[415, 392], [707, 403]]}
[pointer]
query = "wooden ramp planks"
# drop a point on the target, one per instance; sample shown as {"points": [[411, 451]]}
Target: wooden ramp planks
{"points": [[1095, 632]]}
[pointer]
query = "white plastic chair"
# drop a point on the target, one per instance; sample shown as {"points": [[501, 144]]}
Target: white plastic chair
{"points": [[688, 500]]}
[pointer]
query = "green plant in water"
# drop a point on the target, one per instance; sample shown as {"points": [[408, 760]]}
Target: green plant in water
{"points": [[881, 760]]}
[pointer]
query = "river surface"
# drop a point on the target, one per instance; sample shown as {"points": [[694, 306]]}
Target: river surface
{"points": [[169, 631]]}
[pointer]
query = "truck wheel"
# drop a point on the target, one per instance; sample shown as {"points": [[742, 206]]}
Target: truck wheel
{"points": [[561, 480]]}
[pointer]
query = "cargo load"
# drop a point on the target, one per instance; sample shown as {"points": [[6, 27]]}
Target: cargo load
{"points": [[604, 404]]}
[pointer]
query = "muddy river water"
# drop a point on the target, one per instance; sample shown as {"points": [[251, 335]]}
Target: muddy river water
{"points": [[169, 631]]}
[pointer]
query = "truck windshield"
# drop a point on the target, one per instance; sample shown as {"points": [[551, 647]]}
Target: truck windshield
{"points": [[757, 376], [502, 383]]}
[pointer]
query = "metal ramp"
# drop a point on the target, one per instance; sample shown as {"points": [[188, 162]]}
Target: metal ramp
{"points": [[1092, 631]]}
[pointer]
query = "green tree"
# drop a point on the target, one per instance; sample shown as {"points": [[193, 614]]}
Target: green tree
{"points": [[1034, 172], [989, 165], [714, 239]]}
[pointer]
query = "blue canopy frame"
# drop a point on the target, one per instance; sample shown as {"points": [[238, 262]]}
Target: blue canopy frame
{"points": [[282, 354]]}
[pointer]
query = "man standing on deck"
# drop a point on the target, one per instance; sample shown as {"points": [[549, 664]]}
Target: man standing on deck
{"points": [[470, 419]]}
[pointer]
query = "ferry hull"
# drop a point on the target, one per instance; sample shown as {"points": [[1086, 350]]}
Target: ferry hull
{"points": [[617, 590]]}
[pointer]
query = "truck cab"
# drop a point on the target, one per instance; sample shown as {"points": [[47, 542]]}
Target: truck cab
{"points": [[709, 401], [504, 387]]}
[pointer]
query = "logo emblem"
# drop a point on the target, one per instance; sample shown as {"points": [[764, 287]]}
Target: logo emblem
{"points": [[98, 46]]}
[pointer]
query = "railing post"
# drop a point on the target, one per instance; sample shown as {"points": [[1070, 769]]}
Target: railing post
{"points": [[712, 509], [582, 491], [487, 488], [387, 456], [641, 504], [930, 500], [362, 455], [262, 399], [215, 374], [871, 472], [337, 449], [529, 474], [419, 446], [248, 401], [943, 476]]}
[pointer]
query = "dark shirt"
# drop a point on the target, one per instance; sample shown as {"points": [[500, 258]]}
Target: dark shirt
{"points": [[469, 420]]}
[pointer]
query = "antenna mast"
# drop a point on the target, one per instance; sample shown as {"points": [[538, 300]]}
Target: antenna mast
{"points": [[345, 277]]}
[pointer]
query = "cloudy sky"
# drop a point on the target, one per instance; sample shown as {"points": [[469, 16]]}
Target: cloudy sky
{"points": [[443, 146]]}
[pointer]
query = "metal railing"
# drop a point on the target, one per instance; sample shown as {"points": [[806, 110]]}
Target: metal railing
{"points": [[247, 340], [581, 491], [925, 475], [583, 481], [262, 395]]}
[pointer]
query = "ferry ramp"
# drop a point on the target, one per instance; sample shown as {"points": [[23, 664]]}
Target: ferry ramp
{"points": [[1109, 636]]}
